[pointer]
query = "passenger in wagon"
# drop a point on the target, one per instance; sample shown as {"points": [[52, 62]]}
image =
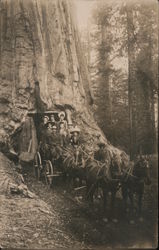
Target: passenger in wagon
{"points": [[62, 120], [63, 134], [52, 120], [75, 142]]}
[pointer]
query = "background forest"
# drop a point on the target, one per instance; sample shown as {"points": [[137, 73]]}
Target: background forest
{"points": [[121, 48]]}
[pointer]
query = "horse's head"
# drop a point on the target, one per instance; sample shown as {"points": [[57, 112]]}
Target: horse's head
{"points": [[142, 171]]}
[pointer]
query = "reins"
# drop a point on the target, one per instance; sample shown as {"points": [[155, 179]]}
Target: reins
{"points": [[129, 174]]}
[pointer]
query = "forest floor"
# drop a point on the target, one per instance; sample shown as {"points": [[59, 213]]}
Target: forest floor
{"points": [[56, 218]]}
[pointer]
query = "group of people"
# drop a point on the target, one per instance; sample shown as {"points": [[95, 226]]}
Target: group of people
{"points": [[51, 124], [61, 134], [58, 133]]}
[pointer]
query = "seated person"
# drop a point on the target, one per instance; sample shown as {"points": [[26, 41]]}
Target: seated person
{"points": [[45, 119], [53, 137], [52, 120], [69, 128], [51, 143], [63, 135], [61, 116], [62, 129], [56, 143], [75, 136], [49, 126]]}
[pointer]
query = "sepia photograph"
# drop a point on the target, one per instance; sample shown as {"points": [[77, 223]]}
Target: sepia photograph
{"points": [[79, 124]]}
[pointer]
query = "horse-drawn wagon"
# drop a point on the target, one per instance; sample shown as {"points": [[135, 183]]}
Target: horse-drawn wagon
{"points": [[47, 156]]}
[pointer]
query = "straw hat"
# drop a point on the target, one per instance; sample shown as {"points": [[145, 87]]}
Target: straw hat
{"points": [[54, 127], [75, 129], [46, 117], [61, 113]]}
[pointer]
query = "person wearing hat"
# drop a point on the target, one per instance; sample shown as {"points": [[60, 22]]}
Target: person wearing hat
{"points": [[63, 134], [62, 120], [48, 134], [52, 120], [75, 143], [70, 127], [55, 148], [44, 122], [54, 129], [45, 119], [75, 136], [62, 129], [61, 115], [51, 143], [52, 136]]}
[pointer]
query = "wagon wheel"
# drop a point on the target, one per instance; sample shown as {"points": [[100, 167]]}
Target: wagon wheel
{"points": [[37, 165], [48, 172]]}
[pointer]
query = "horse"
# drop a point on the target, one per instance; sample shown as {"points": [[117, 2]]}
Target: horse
{"points": [[73, 166], [133, 182], [104, 176]]}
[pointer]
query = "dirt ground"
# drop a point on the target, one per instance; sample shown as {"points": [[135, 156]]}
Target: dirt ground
{"points": [[29, 223], [57, 218]]}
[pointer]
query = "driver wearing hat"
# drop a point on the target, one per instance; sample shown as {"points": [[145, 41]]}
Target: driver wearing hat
{"points": [[75, 136], [75, 142]]}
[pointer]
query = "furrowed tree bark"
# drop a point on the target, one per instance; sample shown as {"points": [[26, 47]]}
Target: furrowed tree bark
{"points": [[42, 67], [131, 78]]}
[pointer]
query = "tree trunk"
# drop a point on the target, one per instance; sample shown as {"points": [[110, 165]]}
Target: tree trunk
{"points": [[40, 43], [131, 80], [103, 100], [141, 98]]}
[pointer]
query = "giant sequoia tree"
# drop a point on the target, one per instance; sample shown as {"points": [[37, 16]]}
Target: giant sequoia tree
{"points": [[41, 64]]}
